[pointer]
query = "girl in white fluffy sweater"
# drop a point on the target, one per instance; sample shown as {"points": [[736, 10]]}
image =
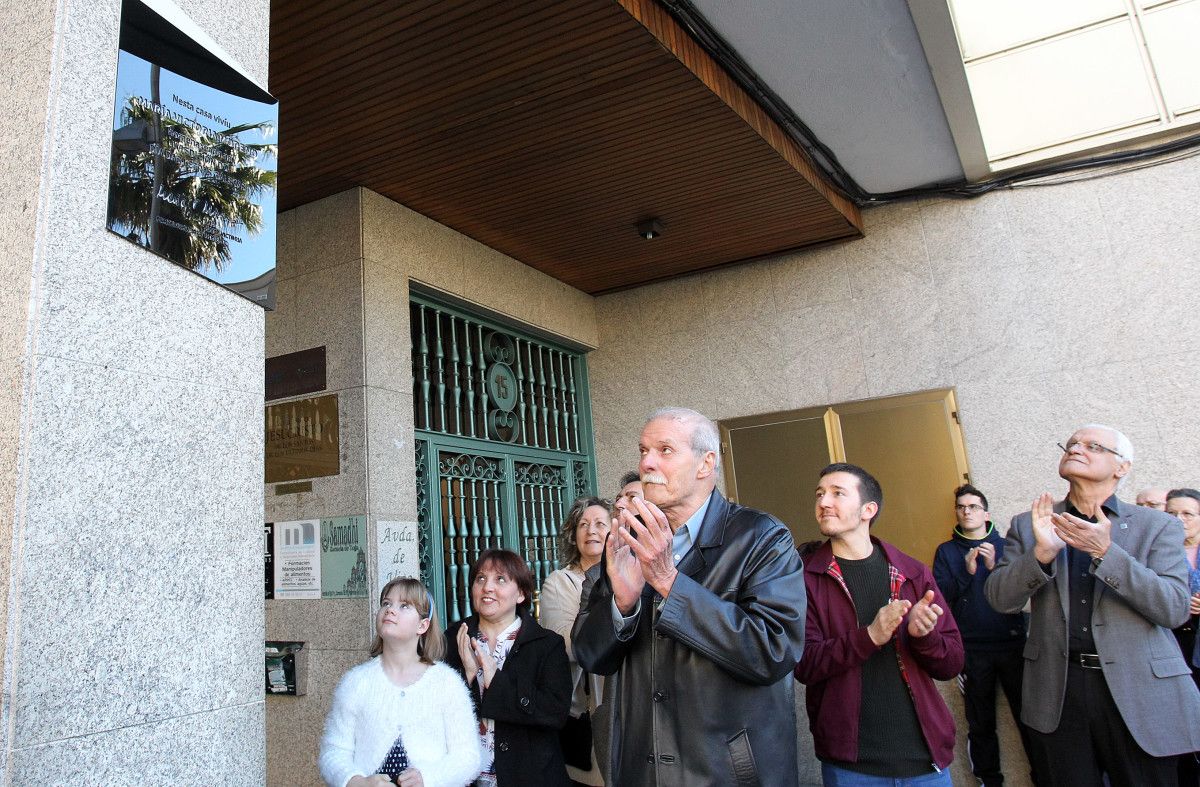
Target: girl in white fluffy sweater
{"points": [[402, 717]]}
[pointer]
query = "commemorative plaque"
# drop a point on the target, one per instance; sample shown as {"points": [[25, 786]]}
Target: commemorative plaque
{"points": [[193, 168], [302, 439]]}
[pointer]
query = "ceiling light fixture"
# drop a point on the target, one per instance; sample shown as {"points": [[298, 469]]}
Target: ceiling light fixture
{"points": [[650, 228]]}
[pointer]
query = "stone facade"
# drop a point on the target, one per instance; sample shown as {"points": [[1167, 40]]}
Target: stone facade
{"points": [[345, 265], [131, 391], [1043, 308], [131, 396]]}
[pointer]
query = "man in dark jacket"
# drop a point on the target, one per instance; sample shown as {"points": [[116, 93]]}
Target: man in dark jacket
{"points": [[877, 636], [699, 612], [993, 641]]}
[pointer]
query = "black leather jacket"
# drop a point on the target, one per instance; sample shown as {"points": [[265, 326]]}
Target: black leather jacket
{"points": [[704, 693]]}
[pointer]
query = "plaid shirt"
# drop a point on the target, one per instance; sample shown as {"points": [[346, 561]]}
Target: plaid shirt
{"points": [[895, 582]]}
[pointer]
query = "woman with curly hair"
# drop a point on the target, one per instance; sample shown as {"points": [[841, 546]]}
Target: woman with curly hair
{"points": [[581, 543]]}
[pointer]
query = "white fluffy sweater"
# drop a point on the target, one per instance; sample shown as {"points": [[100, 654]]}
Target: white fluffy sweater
{"points": [[434, 717]]}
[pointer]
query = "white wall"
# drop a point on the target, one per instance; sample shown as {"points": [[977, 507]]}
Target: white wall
{"points": [[1044, 308]]}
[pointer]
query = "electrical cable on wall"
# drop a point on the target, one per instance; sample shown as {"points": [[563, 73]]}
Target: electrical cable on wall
{"points": [[823, 157]]}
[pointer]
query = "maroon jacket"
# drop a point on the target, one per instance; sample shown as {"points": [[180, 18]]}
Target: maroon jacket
{"points": [[835, 647]]}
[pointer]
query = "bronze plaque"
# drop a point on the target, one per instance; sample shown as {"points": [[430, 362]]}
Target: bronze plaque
{"points": [[302, 439], [296, 374]]}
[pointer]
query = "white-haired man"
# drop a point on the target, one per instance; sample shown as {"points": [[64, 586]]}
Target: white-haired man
{"points": [[700, 612], [1153, 497], [1104, 690]]}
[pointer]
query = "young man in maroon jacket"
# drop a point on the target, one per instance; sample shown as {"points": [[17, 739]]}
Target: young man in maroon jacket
{"points": [[876, 637]]}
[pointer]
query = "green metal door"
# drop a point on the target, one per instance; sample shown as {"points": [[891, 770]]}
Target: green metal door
{"points": [[503, 444]]}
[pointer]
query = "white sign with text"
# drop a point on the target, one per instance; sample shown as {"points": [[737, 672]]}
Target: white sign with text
{"points": [[298, 559], [397, 551]]}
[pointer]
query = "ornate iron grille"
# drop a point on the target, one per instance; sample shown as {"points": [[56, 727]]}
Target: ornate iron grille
{"points": [[473, 380], [472, 490], [541, 501], [503, 445]]}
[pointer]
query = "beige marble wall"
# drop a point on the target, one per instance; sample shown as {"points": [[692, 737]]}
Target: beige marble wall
{"points": [[131, 505], [345, 266], [1043, 307]]}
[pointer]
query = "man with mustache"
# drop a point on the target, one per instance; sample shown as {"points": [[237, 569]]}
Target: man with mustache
{"points": [[699, 612], [1106, 690]]}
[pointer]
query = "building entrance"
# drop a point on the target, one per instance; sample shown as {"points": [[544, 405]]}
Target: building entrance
{"points": [[912, 443]]}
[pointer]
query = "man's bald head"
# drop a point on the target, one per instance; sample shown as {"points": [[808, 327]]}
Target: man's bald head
{"points": [[1153, 498]]}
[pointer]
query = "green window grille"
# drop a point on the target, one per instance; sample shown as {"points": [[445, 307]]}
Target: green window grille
{"points": [[503, 444]]}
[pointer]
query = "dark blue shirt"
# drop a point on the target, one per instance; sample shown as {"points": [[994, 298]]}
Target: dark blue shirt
{"points": [[1081, 586]]}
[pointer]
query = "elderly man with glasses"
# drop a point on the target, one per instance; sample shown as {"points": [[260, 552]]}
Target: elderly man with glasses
{"points": [[1106, 582]]}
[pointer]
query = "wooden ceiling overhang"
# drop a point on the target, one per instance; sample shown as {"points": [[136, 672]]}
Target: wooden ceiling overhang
{"points": [[545, 130]]}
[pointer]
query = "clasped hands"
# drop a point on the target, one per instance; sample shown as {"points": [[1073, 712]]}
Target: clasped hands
{"points": [[986, 551], [474, 655], [922, 618], [1052, 531], [639, 552], [407, 778]]}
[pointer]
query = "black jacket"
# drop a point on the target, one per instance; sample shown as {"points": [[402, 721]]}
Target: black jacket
{"points": [[982, 627], [529, 699], [703, 692]]}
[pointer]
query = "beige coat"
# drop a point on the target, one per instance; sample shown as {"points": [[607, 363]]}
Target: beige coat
{"points": [[557, 607]]}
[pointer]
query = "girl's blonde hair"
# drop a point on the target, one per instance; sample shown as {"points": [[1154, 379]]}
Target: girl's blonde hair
{"points": [[432, 644]]}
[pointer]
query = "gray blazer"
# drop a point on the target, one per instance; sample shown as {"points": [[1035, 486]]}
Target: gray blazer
{"points": [[1141, 594]]}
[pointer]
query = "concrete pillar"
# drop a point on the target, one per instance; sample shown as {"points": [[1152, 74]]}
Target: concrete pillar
{"points": [[130, 445]]}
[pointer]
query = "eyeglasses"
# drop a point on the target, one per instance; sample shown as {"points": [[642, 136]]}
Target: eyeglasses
{"points": [[969, 508], [1091, 448]]}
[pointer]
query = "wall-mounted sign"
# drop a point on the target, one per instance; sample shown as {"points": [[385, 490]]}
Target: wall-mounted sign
{"points": [[302, 439], [502, 422], [296, 374], [297, 559], [344, 557], [397, 550], [192, 176]]}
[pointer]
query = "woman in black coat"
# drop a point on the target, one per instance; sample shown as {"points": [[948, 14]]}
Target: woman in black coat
{"points": [[517, 672]]}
